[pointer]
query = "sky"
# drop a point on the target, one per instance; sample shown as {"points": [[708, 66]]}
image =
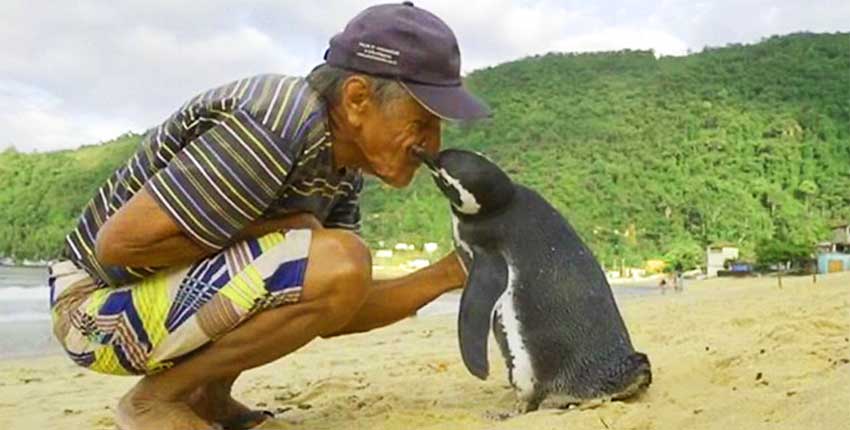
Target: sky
{"points": [[85, 71]]}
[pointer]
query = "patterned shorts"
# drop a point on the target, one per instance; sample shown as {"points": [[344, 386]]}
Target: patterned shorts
{"points": [[147, 326]]}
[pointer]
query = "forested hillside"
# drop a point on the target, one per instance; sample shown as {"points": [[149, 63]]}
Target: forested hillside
{"points": [[646, 157]]}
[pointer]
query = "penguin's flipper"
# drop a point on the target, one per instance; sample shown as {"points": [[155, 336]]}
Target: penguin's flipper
{"points": [[487, 280]]}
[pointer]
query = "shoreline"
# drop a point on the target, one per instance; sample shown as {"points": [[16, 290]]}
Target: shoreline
{"points": [[32, 337], [725, 354]]}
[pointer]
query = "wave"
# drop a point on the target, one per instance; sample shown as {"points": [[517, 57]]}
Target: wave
{"points": [[25, 317], [21, 294]]}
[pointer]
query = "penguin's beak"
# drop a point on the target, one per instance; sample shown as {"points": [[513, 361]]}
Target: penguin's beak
{"points": [[429, 160]]}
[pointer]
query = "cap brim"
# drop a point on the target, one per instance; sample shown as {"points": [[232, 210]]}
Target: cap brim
{"points": [[452, 103]]}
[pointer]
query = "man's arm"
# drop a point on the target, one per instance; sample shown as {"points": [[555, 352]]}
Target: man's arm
{"points": [[391, 300], [141, 234]]}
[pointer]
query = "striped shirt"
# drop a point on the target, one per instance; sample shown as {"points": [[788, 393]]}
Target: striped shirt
{"points": [[256, 148]]}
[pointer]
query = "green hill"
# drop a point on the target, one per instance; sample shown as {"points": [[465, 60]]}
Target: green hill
{"points": [[646, 157]]}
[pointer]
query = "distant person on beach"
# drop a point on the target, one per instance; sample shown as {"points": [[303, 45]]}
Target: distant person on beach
{"points": [[678, 280], [663, 285], [229, 239]]}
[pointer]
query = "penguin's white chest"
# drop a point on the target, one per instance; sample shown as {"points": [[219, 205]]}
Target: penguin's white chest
{"points": [[521, 371]]}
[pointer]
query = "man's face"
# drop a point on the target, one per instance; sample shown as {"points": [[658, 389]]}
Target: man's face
{"points": [[388, 134]]}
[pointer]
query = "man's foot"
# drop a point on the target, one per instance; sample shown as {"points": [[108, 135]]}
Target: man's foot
{"points": [[215, 404], [140, 409]]}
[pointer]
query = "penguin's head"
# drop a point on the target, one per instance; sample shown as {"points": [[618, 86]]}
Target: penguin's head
{"points": [[473, 184]]}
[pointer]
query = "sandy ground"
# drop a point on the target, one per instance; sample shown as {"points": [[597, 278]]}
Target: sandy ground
{"points": [[726, 354]]}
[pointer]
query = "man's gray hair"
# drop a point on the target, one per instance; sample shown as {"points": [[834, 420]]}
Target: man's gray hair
{"points": [[328, 81]]}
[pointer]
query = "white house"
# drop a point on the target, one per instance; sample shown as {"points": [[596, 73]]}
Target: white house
{"points": [[841, 238], [716, 255]]}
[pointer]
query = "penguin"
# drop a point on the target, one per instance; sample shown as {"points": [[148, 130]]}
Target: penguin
{"points": [[537, 286]]}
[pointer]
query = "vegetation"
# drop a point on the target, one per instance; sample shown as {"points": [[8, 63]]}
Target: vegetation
{"points": [[647, 157], [42, 194], [778, 252]]}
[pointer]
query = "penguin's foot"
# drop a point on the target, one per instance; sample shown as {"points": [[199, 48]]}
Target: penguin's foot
{"points": [[593, 404], [562, 401], [531, 404], [500, 416], [567, 406]]}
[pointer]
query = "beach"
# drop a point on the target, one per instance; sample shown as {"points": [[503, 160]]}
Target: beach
{"points": [[726, 354]]}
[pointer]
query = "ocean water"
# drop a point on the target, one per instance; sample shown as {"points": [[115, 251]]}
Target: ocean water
{"points": [[25, 328], [25, 313]]}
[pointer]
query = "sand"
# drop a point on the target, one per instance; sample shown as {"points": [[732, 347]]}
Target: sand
{"points": [[726, 354]]}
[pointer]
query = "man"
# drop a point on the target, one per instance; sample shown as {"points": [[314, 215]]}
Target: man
{"points": [[227, 241]]}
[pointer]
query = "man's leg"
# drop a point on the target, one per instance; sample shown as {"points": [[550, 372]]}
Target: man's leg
{"points": [[213, 402], [336, 282], [387, 301]]}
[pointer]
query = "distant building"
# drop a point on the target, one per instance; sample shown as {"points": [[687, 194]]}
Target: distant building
{"points": [[832, 262], [834, 256], [841, 238], [716, 256]]}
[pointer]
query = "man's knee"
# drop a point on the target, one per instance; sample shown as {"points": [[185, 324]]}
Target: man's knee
{"points": [[339, 274]]}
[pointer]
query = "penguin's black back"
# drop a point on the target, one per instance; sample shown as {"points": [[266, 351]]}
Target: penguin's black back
{"points": [[570, 322]]}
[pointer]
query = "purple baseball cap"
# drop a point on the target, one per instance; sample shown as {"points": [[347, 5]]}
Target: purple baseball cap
{"points": [[413, 46]]}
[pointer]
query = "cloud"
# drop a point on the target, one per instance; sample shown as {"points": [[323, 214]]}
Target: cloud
{"points": [[80, 72], [40, 120], [617, 38], [102, 71]]}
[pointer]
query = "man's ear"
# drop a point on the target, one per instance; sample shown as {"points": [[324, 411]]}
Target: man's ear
{"points": [[356, 99]]}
